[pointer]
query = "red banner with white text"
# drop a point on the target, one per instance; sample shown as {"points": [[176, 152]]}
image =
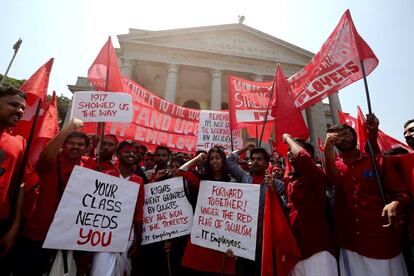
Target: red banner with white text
{"points": [[157, 122], [248, 102], [336, 65]]}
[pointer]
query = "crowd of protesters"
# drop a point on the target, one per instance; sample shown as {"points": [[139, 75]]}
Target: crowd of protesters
{"points": [[341, 222]]}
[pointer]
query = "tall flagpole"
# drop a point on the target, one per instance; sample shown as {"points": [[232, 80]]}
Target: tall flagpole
{"points": [[16, 48], [370, 147]]}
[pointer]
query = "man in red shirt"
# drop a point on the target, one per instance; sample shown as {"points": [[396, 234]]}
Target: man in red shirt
{"points": [[306, 192], [54, 167], [364, 227], [105, 159], [126, 153], [12, 105]]}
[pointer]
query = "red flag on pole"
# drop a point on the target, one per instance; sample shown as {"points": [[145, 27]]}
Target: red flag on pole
{"points": [[280, 252], [35, 88], [336, 65], [48, 128], [361, 131], [104, 72], [288, 118], [385, 141]]}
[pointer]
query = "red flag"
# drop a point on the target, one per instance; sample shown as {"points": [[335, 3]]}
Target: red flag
{"points": [[288, 118], [280, 252], [361, 130], [336, 65], [48, 128], [251, 131], [104, 72], [35, 88], [385, 141], [321, 145]]}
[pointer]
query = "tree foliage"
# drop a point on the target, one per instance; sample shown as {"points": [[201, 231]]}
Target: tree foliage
{"points": [[62, 101]]}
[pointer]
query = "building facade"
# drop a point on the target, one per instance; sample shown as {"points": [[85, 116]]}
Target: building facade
{"points": [[190, 66]]}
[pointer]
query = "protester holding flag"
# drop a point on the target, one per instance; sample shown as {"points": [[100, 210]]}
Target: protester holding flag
{"points": [[108, 263], [364, 228], [306, 191], [54, 167], [12, 105], [205, 261], [259, 163]]}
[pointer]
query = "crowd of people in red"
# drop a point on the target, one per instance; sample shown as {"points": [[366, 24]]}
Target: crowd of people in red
{"points": [[338, 217]]}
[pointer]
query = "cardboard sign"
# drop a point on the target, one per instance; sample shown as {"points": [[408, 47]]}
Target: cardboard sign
{"points": [[226, 217], [167, 212], [214, 129], [94, 106], [94, 214]]}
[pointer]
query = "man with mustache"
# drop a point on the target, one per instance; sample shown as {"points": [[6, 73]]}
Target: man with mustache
{"points": [[12, 105], [105, 159], [365, 229], [54, 167]]}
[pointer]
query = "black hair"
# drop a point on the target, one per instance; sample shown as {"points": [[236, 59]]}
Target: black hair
{"points": [[163, 148], [261, 151], [200, 151], [126, 143], [112, 136], [408, 122], [396, 151], [77, 134], [307, 146], [11, 91], [337, 127], [208, 174]]}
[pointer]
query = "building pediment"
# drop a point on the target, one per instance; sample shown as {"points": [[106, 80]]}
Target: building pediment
{"points": [[232, 39]]}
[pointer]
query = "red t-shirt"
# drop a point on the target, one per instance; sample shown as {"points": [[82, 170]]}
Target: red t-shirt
{"points": [[49, 196], [358, 207], [139, 205], [201, 258], [307, 207], [108, 165], [13, 148]]}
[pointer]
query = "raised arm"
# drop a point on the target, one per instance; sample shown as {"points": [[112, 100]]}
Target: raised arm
{"points": [[331, 169], [51, 150]]}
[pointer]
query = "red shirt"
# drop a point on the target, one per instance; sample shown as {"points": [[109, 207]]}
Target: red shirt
{"points": [[307, 204], [139, 205], [13, 148], [108, 165], [201, 258], [49, 195], [358, 207]]}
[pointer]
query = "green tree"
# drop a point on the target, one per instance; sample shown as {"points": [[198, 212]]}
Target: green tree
{"points": [[62, 101]]}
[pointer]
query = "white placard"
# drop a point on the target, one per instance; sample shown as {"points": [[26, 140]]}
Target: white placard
{"points": [[214, 129], [226, 217], [97, 106], [167, 212], [94, 214]]}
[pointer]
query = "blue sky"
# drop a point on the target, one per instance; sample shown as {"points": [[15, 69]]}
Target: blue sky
{"points": [[74, 31]]}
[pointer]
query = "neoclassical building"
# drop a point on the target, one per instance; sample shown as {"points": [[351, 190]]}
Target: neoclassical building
{"points": [[190, 66]]}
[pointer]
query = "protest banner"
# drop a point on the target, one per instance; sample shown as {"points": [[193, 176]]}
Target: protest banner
{"points": [[248, 101], [214, 129], [93, 106], [94, 214], [336, 65], [226, 217], [167, 212]]}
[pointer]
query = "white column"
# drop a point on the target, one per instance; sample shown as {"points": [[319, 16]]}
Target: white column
{"points": [[215, 90], [171, 83], [127, 68], [316, 124], [335, 106]]}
